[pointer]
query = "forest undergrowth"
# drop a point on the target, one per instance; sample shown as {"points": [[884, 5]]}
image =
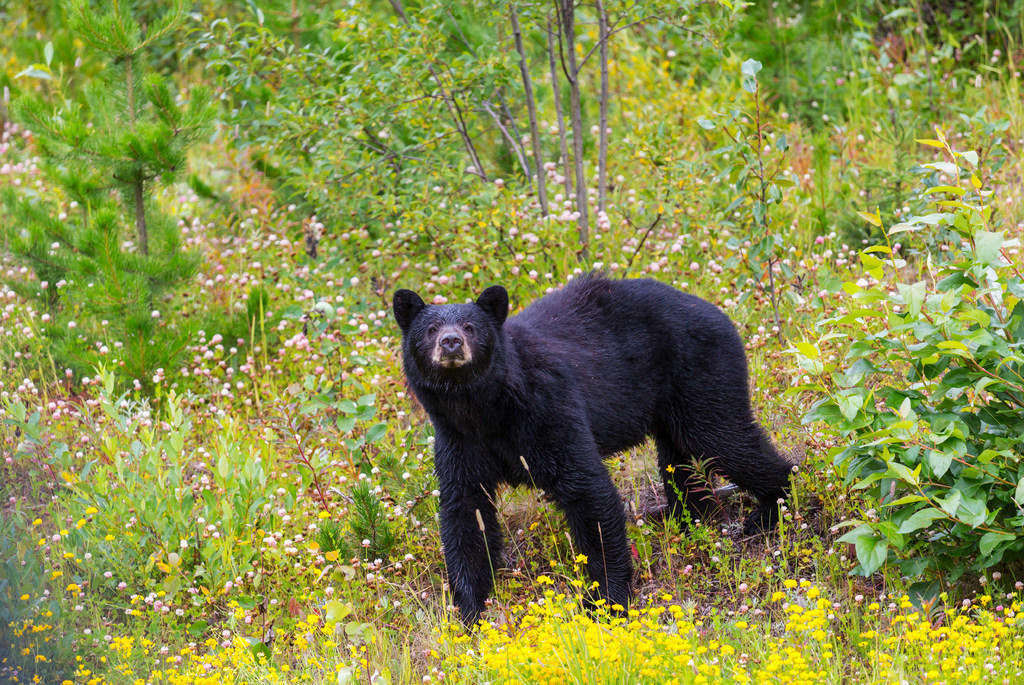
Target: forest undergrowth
{"points": [[215, 473]]}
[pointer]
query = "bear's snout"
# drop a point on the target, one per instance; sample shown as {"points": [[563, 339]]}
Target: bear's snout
{"points": [[451, 343], [451, 348]]}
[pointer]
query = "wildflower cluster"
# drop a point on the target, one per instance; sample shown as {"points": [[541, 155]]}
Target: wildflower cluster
{"points": [[556, 640]]}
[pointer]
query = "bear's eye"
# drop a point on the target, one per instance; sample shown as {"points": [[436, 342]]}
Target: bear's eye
{"points": [[468, 328], [432, 330]]}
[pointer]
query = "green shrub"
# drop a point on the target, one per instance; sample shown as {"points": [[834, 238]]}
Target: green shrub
{"points": [[148, 506], [928, 396]]}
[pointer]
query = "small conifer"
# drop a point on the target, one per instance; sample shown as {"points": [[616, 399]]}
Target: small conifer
{"points": [[105, 255]]}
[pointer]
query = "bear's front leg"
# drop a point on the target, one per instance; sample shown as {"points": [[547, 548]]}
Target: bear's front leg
{"points": [[471, 555], [594, 512], [469, 525]]}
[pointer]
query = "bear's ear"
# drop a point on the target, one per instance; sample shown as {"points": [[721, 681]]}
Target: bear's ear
{"points": [[407, 306], [494, 301]]}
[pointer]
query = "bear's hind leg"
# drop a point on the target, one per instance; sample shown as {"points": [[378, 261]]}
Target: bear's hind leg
{"points": [[744, 454], [768, 482]]}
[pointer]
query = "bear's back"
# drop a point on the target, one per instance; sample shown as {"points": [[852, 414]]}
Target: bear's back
{"points": [[627, 349], [592, 307]]}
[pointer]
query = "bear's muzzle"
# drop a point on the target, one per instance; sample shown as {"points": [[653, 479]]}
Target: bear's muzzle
{"points": [[451, 348]]}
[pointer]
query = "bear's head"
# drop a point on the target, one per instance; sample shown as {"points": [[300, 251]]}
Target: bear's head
{"points": [[451, 342]]}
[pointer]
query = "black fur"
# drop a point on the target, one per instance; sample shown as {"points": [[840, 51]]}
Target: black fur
{"points": [[583, 373]]}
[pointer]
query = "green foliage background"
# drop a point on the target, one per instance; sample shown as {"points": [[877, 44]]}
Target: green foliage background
{"points": [[841, 177]]}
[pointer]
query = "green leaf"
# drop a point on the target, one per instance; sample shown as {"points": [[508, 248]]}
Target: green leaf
{"points": [[898, 13], [808, 350], [924, 592], [1019, 493], [849, 405], [39, 71], [987, 456], [705, 123], [951, 502], [973, 511], [197, 629], [954, 347], [258, 649], [978, 316], [954, 190], [939, 461], [376, 432], [908, 499], [986, 246], [873, 265], [971, 156], [825, 411], [903, 228], [991, 539], [913, 296], [868, 481], [915, 567], [872, 551], [358, 631], [944, 167], [293, 311], [906, 409], [336, 611], [903, 473], [751, 68], [872, 219], [920, 519], [246, 602]]}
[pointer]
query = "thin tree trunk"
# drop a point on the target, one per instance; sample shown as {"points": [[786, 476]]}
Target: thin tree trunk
{"points": [[531, 108], [460, 125], [602, 157], [449, 101], [568, 21], [140, 216], [562, 137], [139, 195], [295, 17], [517, 148]]}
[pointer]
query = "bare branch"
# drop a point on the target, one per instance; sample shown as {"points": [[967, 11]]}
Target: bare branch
{"points": [[449, 100], [643, 240], [562, 138], [602, 156], [531, 108], [576, 120], [513, 143], [602, 41]]}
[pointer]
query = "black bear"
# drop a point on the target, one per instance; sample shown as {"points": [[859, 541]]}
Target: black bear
{"points": [[540, 399]]}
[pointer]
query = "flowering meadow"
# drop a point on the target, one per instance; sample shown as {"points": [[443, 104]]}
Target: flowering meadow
{"points": [[211, 468]]}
